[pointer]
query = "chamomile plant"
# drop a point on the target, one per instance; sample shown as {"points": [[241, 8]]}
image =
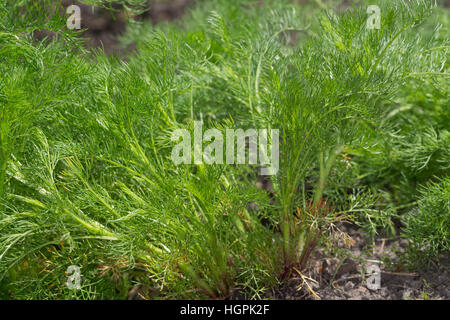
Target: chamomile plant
{"points": [[86, 173]]}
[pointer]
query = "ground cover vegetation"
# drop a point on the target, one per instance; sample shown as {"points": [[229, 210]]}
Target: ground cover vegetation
{"points": [[86, 176]]}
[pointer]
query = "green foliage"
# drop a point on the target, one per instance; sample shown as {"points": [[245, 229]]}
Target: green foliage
{"points": [[410, 147], [29, 15], [86, 176], [428, 227]]}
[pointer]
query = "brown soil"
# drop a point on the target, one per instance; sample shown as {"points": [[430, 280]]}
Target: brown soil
{"points": [[103, 27], [344, 278]]}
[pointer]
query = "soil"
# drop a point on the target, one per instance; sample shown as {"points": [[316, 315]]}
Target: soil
{"points": [[345, 277], [103, 27]]}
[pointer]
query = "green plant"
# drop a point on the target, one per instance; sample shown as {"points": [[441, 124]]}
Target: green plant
{"points": [[329, 94], [409, 147], [428, 226], [86, 172]]}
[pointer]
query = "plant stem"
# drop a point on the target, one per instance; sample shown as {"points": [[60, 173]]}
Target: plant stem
{"points": [[325, 171], [3, 177]]}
